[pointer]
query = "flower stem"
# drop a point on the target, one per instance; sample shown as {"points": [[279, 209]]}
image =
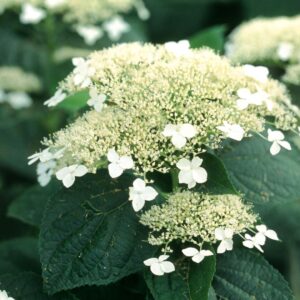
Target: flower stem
{"points": [[175, 182]]}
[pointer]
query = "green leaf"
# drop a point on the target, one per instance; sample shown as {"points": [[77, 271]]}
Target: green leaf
{"points": [[218, 181], [29, 207], [261, 176], [244, 275], [20, 254], [194, 285], [75, 102], [28, 286], [213, 37], [90, 234]]}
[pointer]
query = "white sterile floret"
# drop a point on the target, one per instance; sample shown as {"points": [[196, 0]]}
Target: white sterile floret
{"points": [[140, 193], [225, 236], [45, 156], [196, 255], [19, 100], [54, 3], [31, 14], [285, 51], [160, 266], [82, 72], [4, 296], [118, 164], [180, 48], [44, 171], [58, 97], [259, 73], [96, 100], [191, 172], [276, 137], [179, 133], [233, 131], [253, 242], [247, 98], [116, 27], [68, 174], [267, 233], [90, 34]]}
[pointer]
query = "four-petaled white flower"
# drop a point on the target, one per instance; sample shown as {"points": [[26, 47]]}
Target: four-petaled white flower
{"points": [[45, 156], [58, 97], [259, 73], [276, 137], [263, 231], [31, 14], [96, 100], [225, 236], [285, 50], [44, 171], [118, 164], [191, 172], [196, 255], [68, 174], [254, 241], [247, 98], [54, 3], [116, 27], [179, 133], [19, 100], [4, 296], [180, 48], [140, 193], [233, 131], [160, 266], [90, 34], [82, 72]]}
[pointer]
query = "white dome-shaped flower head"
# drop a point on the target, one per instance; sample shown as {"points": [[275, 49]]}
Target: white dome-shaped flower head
{"points": [[232, 131], [179, 133], [58, 97], [91, 34], [96, 100], [276, 137], [225, 236], [140, 193], [118, 164], [31, 14], [285, 51], [160, 266], [181, 48], [116, 27], [191, 172], [68, 174], [82, 72], [4, 296], [254, 242], [196, 255], [258, 73]]}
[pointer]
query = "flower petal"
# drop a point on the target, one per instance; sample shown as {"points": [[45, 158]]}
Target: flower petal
{"points": [[190, 251], [286, 145], [112, 156], [81, 171], [178, 140], [275, 148], [156, 269], [198, 258], [68, 180], [126, 162], [138, 204], [183, 164], [62, 173], [219, 233], [185, 177], [148, 262], [271, 234], [200, 175], [150, 193], [187, 130], [115, 170], [139, 185], [167, 267], [169, 130]]}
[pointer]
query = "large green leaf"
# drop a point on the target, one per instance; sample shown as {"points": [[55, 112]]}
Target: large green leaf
{"points": [[194, 284], [20, 254], [243, 275], [28, 286], [29, 207], [261, 176], [91, 235]]}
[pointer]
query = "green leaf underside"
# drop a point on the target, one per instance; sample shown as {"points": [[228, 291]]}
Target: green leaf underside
{"points": [[75, 102], [29, 207], [243, 275], [90, 234], [218, 181], [175, 286], [261, 176], [28, 286]]}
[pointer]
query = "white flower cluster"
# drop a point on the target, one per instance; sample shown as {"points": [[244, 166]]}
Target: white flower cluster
{"points": [[4, 296], [159, 266], [17, 100]]}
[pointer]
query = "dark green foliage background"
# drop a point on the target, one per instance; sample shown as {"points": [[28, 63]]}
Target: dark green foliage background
{"points": [[23, 205]]}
